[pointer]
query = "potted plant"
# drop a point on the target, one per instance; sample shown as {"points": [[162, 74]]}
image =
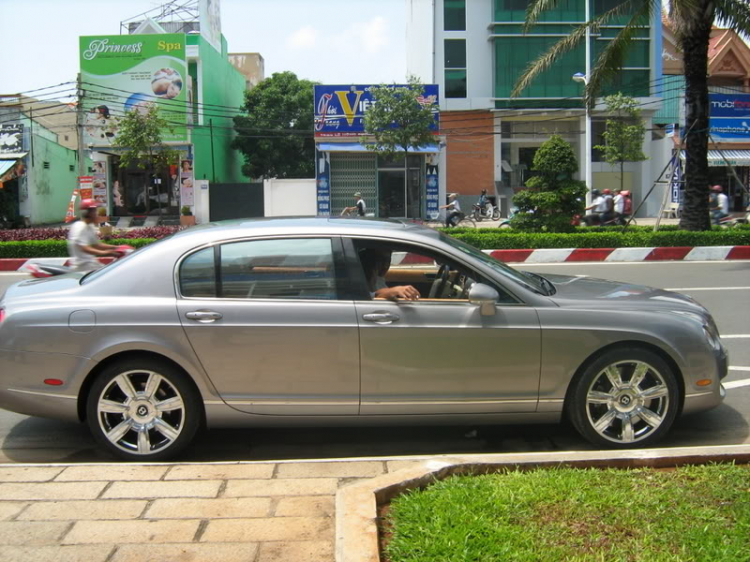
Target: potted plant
{"points": [[186, 216], [105, 229]]}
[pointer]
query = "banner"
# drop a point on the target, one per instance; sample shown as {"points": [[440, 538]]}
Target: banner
{"points": [[209, 12], [323, 184], [729, 105], [121, 73], [186, 183], [100, 182], [730, 128], [433, 187], [340, 110]]}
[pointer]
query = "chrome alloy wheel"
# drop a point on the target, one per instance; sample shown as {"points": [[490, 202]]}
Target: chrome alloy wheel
{"points": [[627, 401], [141, 412]]}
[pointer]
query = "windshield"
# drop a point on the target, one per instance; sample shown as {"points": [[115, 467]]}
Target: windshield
{"points": [[532, 282]]}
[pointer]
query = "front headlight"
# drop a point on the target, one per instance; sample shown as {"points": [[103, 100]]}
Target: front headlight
{"points": [[710, 330]]}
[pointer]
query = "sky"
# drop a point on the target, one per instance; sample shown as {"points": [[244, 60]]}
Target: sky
{"points": [[329, 41]]}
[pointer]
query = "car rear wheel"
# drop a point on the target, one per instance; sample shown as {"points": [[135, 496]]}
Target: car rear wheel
{"points": [[143, 410], [626, 398]]}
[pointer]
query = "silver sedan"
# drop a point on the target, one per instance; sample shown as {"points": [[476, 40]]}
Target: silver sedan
{"points": [[344, 322]]}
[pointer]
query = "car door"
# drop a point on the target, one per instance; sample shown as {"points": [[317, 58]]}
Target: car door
{"points": [[267, 322], [440, 355]]}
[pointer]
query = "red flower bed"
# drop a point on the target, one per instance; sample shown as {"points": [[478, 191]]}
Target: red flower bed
{"points": [[24, 234]]}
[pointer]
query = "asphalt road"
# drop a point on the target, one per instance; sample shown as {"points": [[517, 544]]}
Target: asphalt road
{"points": [[723, 287]]}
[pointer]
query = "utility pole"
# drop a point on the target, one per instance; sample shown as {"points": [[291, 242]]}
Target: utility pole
{"points": [[79, 119]]}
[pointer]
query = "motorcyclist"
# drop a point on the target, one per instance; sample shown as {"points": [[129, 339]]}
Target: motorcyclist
{"points": [[599, 206], [719, 204], [84, 245]]}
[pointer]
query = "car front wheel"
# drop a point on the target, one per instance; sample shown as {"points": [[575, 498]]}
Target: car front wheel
{"points": [[626, 398], [143, 410]]}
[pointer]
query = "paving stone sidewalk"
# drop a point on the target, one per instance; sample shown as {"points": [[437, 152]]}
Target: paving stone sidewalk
{"points": [[256, 512]]}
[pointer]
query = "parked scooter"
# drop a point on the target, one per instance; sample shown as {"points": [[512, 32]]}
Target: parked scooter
{"points": [[489, 212], [42, 270], [505, 223]]}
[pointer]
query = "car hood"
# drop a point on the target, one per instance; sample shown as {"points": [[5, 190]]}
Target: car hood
{"points": [[589, 292]]}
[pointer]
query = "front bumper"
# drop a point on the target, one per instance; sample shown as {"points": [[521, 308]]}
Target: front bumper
{"points": [[712, 396]]}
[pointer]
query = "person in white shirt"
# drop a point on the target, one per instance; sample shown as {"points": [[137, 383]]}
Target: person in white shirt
{"points": [[599, 206], [454, 210], [84, 245], [376, 263], [719, 204], [360, 207]]}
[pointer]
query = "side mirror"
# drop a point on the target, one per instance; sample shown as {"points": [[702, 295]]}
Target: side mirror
{"points": [[485, 297]]}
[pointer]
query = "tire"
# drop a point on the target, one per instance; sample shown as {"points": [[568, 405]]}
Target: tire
{"points": [[143, 410], [467, 221], [504, 224], [626, 415], [495, 214]]}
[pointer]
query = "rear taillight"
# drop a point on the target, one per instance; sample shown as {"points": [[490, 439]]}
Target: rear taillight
{"points": [[2, 315]]}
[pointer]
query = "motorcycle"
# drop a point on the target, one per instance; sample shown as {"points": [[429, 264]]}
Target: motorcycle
{"points": [[489, 212], [43, 270], [731, 221], [506, 223]]}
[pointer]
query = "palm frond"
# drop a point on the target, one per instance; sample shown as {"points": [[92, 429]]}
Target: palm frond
{"points": [[610, 61], [547, 59], [734, 14], [685, 14], [535, 9]]}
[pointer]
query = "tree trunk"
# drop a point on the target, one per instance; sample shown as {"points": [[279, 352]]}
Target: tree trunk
{"points": [[694, 45]]}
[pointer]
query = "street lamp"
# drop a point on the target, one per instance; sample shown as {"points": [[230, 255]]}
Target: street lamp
{"points": [[581, 77]]}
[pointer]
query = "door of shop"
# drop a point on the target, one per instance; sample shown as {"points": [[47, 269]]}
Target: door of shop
{"points": [[398, 198]]}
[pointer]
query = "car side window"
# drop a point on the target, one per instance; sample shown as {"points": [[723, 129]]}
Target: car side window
{"points": [[198, 275], [289, 268]]}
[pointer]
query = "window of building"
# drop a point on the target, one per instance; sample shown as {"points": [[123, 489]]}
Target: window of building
{"points": [[455, 68], [454, 15], [455, 53]]}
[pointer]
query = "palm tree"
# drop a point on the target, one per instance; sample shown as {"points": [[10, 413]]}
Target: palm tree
{"points": [[692, 21]]}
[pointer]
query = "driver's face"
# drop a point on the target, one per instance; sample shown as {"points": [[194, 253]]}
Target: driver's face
{"points": [[383, 264]]}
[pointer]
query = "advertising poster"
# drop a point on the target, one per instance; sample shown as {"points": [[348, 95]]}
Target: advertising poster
{"points": [[730, 116], [209, 12], [11, 139], [121, 73], [186, 183], [86, 187], [100, 182], [432, 192], [340, 110]]}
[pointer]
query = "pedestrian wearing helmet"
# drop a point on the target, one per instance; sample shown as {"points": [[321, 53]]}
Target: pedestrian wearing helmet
{"points": [[84, 245]]}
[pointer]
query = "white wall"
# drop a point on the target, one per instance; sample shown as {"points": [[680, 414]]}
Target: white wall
{"points": [[420, 40], [284, 198]]}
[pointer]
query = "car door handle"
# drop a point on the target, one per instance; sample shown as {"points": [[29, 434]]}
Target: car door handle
{"points": [[381, 317], [204, 316]]}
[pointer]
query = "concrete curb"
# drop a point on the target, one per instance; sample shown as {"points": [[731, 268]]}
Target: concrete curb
{"points": [[357, 504]]}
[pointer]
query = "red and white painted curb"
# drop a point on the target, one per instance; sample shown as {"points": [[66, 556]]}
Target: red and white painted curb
{"points": [[557, 255]]}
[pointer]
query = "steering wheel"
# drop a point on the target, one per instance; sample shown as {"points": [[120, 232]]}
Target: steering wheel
{"points": [[441, 279]]}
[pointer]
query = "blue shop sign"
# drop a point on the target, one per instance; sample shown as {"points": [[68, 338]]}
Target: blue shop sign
{"points": [[340, 110], [729, 105], [730, 128]]}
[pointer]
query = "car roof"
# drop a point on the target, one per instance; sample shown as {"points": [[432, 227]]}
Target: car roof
{"points": [[305, 225]]}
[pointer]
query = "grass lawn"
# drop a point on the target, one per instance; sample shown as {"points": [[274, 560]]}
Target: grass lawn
{"points": [[685, 514]]}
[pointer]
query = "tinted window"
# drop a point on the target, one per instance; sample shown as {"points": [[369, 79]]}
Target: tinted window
{"points": [[455, 53], [278, 269], [198, 275], [454, 15]]}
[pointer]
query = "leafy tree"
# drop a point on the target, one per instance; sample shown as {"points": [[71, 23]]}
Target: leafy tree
{"points": [[397, 120], [553, 197], [140, 132], [692, 21], [275, 134], [623, 137]]}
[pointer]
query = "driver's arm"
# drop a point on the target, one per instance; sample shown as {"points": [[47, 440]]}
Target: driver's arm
{"points": [[403, 292]]}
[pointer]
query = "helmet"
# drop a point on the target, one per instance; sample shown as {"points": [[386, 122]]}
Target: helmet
{"points": [[716, 188], [87, 204], [484, 192], [595, 192], [607, 192]]}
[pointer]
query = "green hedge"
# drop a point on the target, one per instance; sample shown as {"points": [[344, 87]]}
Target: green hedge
{"points": [[483, 238], [497, 239], [53, 248]]}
